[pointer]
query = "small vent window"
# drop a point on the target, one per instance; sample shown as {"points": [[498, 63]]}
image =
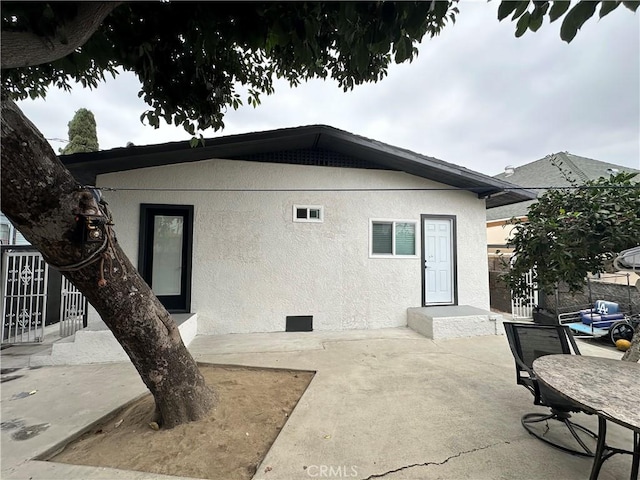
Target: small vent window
{"points": [[308, 213]]}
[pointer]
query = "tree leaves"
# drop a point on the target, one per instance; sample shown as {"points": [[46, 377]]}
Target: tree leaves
{"points": [[506, 8], [403, 49], [523, 24], [558, 9], [537, 16], [631, 5], [573, 20], [576, 17], [608, 7], [192, 59], [570, 233], [83, 136], [521, 7]]}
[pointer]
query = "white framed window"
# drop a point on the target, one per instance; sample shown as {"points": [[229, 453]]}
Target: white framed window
{"points": [[308, 213], [393, 238]]}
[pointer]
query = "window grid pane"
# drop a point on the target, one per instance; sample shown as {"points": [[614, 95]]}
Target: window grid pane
{"points": [[382, 238], [167, 255], [405, 237]]}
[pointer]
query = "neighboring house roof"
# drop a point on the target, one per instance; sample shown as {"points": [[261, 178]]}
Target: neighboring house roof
{"points": [[309, 145], [544, 173]]}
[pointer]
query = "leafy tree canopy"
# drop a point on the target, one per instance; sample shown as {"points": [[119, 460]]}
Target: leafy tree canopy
{"points": [[191, 57], [82, 133], [571, 233]]}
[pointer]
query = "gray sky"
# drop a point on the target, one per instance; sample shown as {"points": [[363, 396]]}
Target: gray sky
{"points": [[475, 96]]}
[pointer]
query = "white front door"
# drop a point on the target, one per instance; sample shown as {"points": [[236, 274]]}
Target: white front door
{"points": [[438, 261]]}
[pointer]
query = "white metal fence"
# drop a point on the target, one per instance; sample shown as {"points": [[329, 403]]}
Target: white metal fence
{"points": [[522, 308], [73, 307], [24, 297], [26, 292]]}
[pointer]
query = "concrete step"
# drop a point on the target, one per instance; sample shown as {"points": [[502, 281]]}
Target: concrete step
{"points": [[454, 321], [98, 345]]}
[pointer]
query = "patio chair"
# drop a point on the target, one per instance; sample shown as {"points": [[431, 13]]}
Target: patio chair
{"points": [[528, 342]]}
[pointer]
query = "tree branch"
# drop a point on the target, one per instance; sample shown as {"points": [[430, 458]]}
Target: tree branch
{"points": [[24, 49]]}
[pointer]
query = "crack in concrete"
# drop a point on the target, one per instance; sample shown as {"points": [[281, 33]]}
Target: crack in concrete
{"points": [[426, 464]]}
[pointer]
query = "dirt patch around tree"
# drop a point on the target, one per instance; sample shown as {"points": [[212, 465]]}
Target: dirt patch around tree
{"points": [[255, 403]]}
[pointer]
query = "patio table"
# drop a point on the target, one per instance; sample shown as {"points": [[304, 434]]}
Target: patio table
{"points": [[605, 387]]}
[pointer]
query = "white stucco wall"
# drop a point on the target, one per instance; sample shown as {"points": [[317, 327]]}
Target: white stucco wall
{"points": [[253, 266]]}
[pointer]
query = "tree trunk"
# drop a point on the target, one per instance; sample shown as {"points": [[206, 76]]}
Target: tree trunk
{"points": [[43, 200], [23, 49]]}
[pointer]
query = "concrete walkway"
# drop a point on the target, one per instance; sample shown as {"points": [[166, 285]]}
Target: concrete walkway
{"points": [[384, 404]]}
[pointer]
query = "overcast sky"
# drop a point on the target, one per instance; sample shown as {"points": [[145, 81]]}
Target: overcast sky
{"points": [[475, 96]]}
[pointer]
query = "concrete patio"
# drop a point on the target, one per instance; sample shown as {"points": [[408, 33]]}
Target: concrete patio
{"points": [[386, 404]]}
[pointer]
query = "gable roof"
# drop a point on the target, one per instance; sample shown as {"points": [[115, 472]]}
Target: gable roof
{"points": [[277, 145], [544, 173]]}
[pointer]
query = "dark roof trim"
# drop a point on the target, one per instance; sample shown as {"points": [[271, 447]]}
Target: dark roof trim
{"points": [[87, 166]]}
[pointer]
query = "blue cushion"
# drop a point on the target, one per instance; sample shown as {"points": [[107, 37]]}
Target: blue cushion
{"points": [[600, 321], [604, 307]]}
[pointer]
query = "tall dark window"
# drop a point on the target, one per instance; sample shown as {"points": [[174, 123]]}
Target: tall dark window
{"points": [[164, 259]]}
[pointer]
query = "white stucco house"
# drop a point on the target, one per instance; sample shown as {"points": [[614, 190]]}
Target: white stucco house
{"points": [[299, 228], [9, 235]]}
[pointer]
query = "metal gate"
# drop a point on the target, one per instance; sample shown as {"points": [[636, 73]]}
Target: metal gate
{"points": [[73, 308], [522, 308], [24, 296]]}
